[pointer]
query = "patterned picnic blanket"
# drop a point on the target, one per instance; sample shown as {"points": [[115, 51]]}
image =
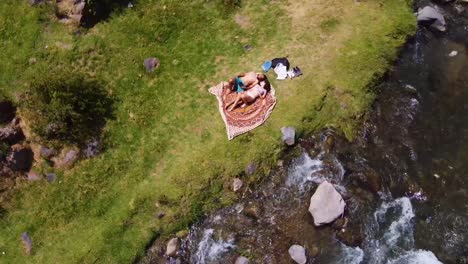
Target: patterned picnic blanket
{"points": [[243, 119]]}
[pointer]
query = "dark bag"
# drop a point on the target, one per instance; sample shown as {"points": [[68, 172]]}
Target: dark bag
{"points": [[283, 61]]}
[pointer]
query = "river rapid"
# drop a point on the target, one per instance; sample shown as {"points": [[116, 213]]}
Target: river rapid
{"points": [[404, 178]]}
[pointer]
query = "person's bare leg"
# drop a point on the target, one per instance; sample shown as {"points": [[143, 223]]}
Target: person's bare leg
{"points": [[234, 105]]}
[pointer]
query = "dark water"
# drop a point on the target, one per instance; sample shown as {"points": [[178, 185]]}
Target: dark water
{"points": [[404, 179]]}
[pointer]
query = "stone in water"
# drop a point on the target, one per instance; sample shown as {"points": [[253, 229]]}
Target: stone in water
{"points": [[326, 204], [297, 253]]}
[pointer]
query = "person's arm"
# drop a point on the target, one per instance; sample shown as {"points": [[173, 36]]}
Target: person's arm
{"points": [[252, 85]]}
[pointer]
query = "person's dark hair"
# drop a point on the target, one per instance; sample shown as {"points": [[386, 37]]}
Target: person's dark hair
{"points": [[262, 77]]}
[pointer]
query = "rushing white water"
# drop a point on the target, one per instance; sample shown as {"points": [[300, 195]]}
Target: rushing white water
{"points": [[416, 257], [350, 255], [210, 249], [390, 238], [305, 169]]}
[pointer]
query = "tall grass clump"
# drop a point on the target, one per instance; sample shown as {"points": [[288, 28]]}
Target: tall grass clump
{"points": [[67, 106]]}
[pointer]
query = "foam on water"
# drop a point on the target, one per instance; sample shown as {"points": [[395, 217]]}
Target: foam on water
{"points": [[416, 257], [390, 237], [351, 255], [305, 169], [210, 249]]}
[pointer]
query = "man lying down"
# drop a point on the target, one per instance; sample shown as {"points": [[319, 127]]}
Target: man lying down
{"points": [[249, 87]]}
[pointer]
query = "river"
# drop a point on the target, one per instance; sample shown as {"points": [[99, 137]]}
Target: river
{"points": [[404, 178]]}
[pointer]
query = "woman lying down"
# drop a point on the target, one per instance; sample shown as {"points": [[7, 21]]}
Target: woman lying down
{"points": [[248, 86]]}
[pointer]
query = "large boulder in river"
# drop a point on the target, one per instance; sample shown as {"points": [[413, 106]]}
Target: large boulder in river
{"points": [[326, 204], [429, 16], [297, 253]]}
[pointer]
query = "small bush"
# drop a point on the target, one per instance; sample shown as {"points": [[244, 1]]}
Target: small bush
{"points": [[67, 106]]}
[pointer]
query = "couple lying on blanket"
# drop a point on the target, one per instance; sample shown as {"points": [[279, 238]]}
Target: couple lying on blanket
{"points": [[248, 86]]}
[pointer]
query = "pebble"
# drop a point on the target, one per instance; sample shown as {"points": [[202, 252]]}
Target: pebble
{"points": [[237, 184]]}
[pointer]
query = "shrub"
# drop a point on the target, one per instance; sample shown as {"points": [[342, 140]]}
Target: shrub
{"points": [[67, 106]]}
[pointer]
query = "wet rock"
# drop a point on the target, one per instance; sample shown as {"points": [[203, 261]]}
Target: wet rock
{"points": [[47, 153], [326, 204], [410, 89], [252, 211], [368, 179], [297, 253], [237, 184], [251, 168], [329, 142], [314, 251], [350, 236], [242, 260], [289, 134], [429, 16], [33, 176], [460, 9], [20, 158], [172, 247], [340, 223], [151, 64]]}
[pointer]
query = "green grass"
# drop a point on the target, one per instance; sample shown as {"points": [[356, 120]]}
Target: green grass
{"points": [[166, 149]]}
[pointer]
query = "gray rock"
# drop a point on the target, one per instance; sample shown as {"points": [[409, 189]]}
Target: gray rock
{"points": [[47, 153], [432, 17], [297, 253], [27, 242], [172, 247], [92, 148], [237, 184], [242, 260], [70, 158], [326, 204], [151, 64], [51, 177], [289, 134], [11, 135], [33, 176], [251, 168]]}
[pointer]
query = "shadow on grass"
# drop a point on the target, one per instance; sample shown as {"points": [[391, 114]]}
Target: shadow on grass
{"points": [[68, 107]]}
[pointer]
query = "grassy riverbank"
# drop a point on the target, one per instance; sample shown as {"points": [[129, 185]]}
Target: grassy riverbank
{"points": [[166, 147]]}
